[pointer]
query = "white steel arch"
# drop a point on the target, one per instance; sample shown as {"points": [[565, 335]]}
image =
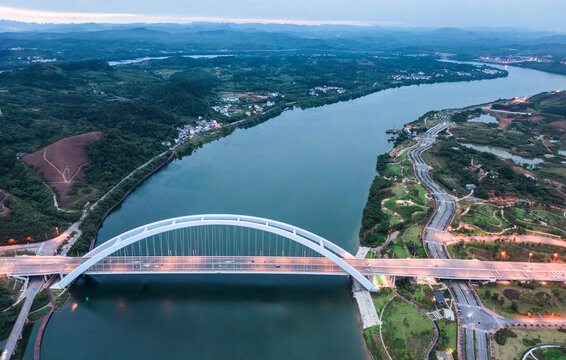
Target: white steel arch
{"points": [[322, 246]]}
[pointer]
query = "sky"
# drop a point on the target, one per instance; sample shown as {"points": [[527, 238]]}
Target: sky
{"points": [[539, 15]]}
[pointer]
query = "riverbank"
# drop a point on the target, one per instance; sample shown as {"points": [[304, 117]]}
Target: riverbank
{"points": [[288, 169], [391, 187], [92, 219], [120, 191], [398, 203]]}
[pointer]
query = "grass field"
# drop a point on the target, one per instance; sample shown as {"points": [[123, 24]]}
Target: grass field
{"points": [[448, 338], [412, 238], [38, 314], [514, 347], [60, 297], [550, 353], [381, 298], [418, 194], [407, 244], [538, 220], [485, 217], [407, 333], [428, 121], [404, 210], [373, 343], [491, 251], [371, 335], [397, 251], [533, 298]]}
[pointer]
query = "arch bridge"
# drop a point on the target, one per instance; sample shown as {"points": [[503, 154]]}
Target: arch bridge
{"points": [[132, 240]]}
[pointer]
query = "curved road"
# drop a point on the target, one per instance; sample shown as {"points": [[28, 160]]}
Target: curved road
{"points": [[466, 300], [33, 288], [530, 350]]}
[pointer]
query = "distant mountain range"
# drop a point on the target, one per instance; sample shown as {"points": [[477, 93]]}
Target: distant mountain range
{"points": [[70, 42]]}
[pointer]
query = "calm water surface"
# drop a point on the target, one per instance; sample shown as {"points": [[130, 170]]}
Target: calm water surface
{"points": [[484, 118], [530, 163], [310, 168]]}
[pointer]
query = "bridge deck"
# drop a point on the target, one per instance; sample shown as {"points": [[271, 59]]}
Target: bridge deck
{"points": [[437, 268]]}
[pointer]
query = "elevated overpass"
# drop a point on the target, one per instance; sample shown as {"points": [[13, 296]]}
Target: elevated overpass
{"points": [[434, 268], [236, 244]]}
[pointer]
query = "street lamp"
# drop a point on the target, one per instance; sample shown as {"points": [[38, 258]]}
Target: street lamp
{"points": [[502, 254], [530, 256], [555, 256]]}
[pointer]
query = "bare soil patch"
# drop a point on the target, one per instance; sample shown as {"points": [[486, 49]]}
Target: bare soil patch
{"points": [[61, 163], [522, 170], [505, 121], [512, 294], [481, 254], [560, 124]]}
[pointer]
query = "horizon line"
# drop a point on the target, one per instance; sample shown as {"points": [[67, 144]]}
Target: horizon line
{"points": [[62, 17]]}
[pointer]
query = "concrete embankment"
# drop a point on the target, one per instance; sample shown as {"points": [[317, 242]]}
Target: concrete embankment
{"points": [[367, 310]]}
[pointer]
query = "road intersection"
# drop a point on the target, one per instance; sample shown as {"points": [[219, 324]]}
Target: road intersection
{"points": [[473, 317]]}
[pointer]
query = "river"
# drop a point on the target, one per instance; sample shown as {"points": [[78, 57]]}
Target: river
{"points": [[311, 168]]}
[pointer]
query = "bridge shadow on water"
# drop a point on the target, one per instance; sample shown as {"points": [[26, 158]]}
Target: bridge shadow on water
{"points": [[222, 288], [158, 315], [221, 316]]}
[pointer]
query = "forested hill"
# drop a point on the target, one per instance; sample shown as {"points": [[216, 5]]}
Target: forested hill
{"points": [[139, 107]]}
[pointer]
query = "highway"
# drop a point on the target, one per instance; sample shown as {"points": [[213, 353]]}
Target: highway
{"points": [[469, 331], [481, 343], [33, 287], [433, 268], [435, 231]]}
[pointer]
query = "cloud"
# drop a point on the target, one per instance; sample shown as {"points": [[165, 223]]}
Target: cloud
{"points": [[59, 17]]}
